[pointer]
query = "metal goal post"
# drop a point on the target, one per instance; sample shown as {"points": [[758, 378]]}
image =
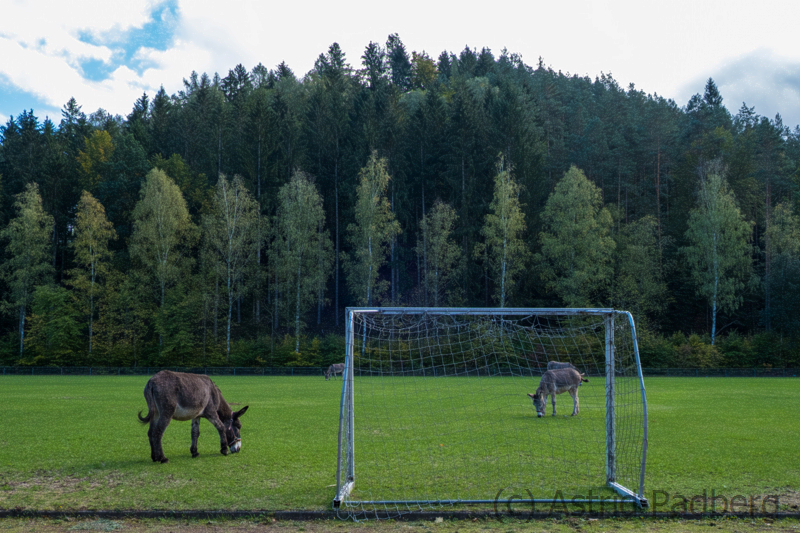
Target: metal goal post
{"points": [[476, 359]]}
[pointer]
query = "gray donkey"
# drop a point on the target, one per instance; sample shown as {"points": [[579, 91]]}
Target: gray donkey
{"points": [[179, 396], [337, 368], [555, 382], [555, 365]]}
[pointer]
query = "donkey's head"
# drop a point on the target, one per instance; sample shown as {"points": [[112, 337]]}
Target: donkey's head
{"points": [[539, 402], [233, 430]]}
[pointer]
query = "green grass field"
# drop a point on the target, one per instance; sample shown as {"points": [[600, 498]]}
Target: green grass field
{"points": [[468, 438], [75, 442]]}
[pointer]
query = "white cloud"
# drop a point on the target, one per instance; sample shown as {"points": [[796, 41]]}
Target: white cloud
{"points": [[763, 79], [45, 58], [59, 25]]}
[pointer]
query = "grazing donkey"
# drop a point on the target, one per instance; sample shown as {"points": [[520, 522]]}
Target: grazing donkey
{"points": [[338, 368], [555, 365], [555, 382], [179, 396]]}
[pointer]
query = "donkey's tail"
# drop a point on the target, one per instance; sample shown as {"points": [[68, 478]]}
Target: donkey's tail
{"points": [[584, 378], [148, 396]]}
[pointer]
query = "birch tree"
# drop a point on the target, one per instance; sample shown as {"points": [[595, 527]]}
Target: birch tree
{"points": [[718, 253], [576, 243], [233, 236], [93, 232], [440, 252], [503, 250], [28, 251], [163, 232], [371, 235], [305, 254]]}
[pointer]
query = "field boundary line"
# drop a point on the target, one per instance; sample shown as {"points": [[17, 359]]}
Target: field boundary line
{"points": [[408, 516], [305, 371]]}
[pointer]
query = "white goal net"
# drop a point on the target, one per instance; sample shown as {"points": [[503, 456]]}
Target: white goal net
{"points": [[435, 410]]}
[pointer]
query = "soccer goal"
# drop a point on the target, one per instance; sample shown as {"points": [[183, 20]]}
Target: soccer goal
{"points": [[435, 411]]}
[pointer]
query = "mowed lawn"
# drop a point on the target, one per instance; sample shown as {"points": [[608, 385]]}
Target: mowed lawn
{"points": [[75, 442]]}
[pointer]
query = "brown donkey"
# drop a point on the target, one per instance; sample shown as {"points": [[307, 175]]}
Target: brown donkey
{"points": [[179, 396]]}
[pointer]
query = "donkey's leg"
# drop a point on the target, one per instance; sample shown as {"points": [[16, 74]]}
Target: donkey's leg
{"points": [[154, 437], [151, 437], [156, 431], [553, 398], [151, 434], [223, 440], [575, 407], [195, 434]]}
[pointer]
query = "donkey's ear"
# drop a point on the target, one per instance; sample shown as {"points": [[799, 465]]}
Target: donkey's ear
{"points": [[531, 395], [240, 412]]}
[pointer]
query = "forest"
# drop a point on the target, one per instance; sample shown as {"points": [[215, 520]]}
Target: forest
{"points": [[233, 222]]}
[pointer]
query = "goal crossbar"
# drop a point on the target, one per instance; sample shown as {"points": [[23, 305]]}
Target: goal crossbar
{"points": [[345, 473]]}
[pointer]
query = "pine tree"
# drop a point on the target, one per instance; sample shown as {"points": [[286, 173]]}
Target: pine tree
{"points": [[399, 63], [121, 181], [138, 123], [374, 62], [74, 126], [261, 136], [160, 125]]}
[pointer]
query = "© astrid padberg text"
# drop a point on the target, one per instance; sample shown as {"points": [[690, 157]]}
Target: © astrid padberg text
{"points": [[518, 501]]}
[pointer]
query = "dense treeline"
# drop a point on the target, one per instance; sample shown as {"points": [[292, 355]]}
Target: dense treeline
{"points": [[234, 220]]}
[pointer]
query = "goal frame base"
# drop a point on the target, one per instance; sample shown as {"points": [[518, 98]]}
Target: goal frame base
{"points": [[628, 497]]}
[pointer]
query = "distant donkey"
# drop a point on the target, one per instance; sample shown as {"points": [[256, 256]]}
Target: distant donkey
{"points": [[555, 365], [555, 382], [338, 368], [179, 396]]}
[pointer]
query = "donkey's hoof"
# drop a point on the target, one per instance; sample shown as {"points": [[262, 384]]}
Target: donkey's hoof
{"points": [[224, 451], [164, 460], [194, 454]]}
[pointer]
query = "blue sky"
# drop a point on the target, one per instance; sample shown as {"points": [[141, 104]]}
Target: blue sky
{"points": [[107, 53]]}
